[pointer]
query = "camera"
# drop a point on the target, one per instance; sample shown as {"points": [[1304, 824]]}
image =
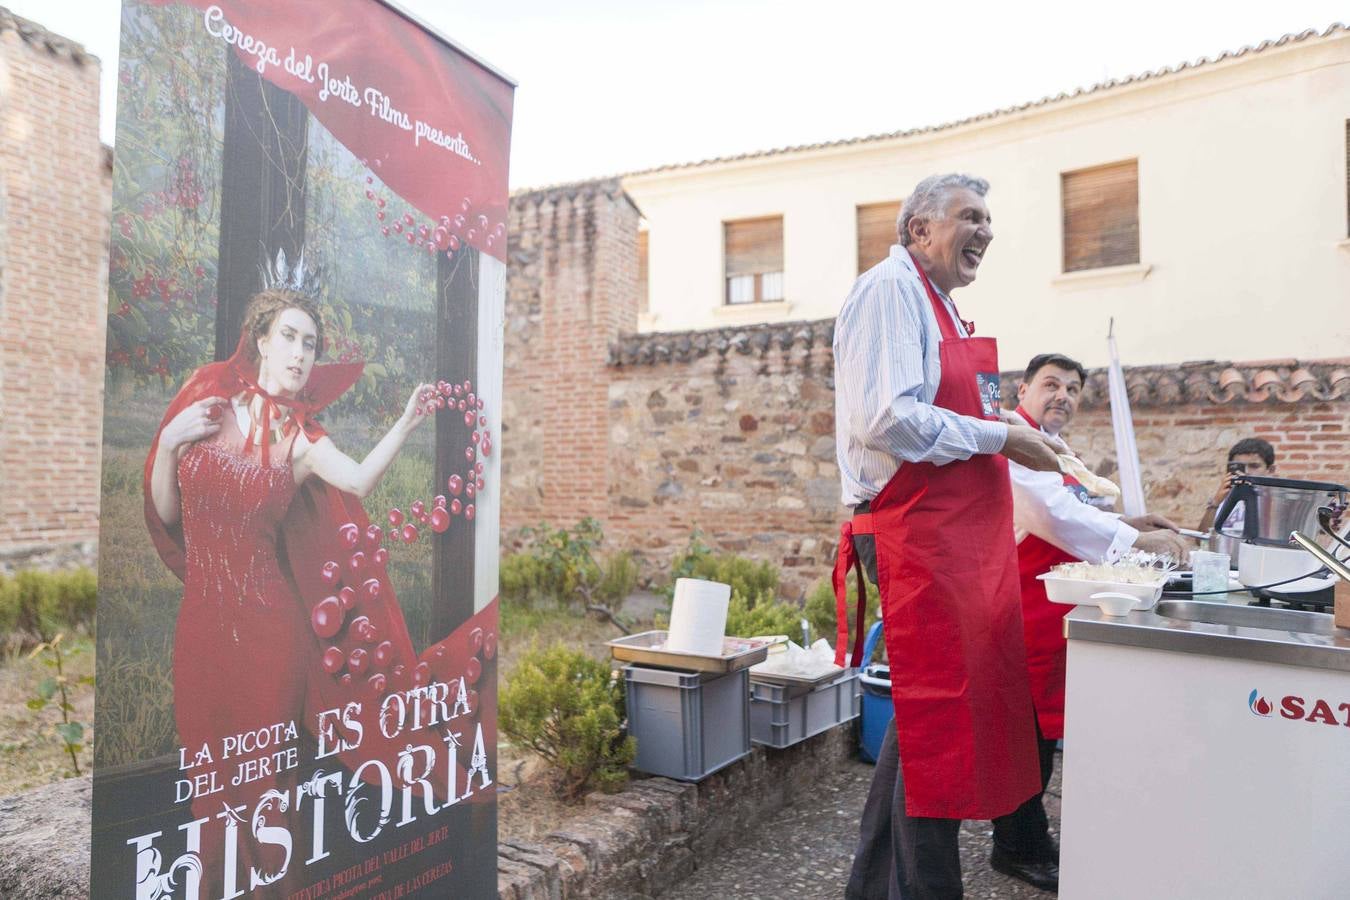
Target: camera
{"points": [[1237, 468]]}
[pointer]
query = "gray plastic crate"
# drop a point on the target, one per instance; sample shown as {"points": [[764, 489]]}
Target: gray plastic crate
{"points": [[687, 725], [778, 719]]}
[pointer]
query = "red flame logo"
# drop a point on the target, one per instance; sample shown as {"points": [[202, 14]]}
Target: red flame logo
{"points": [[1259, 705]]}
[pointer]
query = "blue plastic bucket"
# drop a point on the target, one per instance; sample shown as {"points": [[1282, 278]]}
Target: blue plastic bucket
{"points": [[877, 708]]}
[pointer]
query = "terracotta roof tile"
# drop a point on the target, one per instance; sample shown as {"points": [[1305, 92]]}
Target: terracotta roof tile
{"points": [[569, 190], [1205, 382], [1287, 381]]}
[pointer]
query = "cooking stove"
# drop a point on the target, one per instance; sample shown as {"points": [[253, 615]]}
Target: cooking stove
{"points": [[1312, 601]]}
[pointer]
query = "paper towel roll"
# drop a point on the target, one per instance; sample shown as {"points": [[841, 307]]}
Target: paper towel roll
{"points": [[698, 616]]}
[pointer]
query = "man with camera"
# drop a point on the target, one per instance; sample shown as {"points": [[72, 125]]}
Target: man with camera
{"points": [[1249, 456]]}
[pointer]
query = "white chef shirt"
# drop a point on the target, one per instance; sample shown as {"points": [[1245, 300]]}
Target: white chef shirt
{"points": [[886, 373], [1057, 514]]}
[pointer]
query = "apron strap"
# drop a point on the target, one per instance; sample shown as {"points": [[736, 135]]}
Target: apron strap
{"points": [[847, 558], [944, 318]]}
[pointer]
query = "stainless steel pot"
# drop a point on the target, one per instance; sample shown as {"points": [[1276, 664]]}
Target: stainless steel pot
{"points": [[1275, 507]]}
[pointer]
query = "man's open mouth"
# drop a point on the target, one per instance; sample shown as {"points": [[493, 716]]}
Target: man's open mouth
{"points": [[973, 255], [294, 370]]}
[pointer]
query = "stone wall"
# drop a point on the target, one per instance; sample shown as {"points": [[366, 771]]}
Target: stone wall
{"points": [[55, 184], [736, 441]]}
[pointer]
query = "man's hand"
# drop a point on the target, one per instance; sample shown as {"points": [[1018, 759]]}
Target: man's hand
{"points": [[1028, 447], [1164, 541], [1223, 490], [1150, 522]]}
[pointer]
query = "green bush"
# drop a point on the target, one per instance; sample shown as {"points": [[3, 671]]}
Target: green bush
{"points": [[73, 597], [35, 605], [566, 556], [746, 577], [763, 615], [566, 707], [618, 579], [33, 597], [820, 611], [9, 605], [524, 579], [754, 608], [559, 564]]}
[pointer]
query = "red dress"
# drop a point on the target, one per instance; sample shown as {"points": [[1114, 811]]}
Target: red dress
{"points": [[241, 620], [252, 548]]}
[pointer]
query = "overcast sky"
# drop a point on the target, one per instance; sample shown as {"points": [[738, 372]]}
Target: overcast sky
{"points": [[609, 86]]}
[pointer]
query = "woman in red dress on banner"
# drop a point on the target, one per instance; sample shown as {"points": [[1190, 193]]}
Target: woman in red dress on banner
{"points": [[252, 505]]}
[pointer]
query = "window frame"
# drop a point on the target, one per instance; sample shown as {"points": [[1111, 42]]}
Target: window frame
{"points": [[857, 229], [758, 293], [1071, 240]]}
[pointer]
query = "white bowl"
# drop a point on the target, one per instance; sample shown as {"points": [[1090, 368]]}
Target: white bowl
{"points": [[1075, 591], [1114, 604]]}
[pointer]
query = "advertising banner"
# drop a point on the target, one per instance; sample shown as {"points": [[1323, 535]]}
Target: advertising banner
{"points": [[297, 622]]}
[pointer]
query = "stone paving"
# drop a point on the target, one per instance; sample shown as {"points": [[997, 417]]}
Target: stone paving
{"points": [[806, 852]]}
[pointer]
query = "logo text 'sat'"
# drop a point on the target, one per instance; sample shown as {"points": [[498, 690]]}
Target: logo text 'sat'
{"points": [[1291, 706]]}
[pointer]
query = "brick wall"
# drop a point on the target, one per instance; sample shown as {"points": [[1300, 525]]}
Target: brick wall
{"points": [[731, 432], [55, 184], [573, 265], [1182, 448]]}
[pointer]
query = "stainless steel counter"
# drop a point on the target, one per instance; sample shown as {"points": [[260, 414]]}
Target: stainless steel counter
{"points": [[1254, 633]]}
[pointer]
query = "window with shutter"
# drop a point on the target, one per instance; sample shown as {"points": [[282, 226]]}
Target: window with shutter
{"points": [[876, 232], [754, 260], [1101, 216], [642, 271]]}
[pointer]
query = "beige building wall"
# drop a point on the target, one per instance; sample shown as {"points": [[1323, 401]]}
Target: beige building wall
{"points": [[1242, 206]]}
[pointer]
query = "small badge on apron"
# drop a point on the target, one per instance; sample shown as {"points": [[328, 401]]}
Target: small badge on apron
{"points": [[991, 393]]}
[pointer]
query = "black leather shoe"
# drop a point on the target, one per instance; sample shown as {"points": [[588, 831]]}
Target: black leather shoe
{"points": [[1043, 875]]}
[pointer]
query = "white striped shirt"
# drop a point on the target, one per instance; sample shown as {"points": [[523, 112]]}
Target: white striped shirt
{"points": [[886, 373]]}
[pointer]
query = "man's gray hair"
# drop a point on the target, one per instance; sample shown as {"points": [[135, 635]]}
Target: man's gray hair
{"points": [[929, 199]]}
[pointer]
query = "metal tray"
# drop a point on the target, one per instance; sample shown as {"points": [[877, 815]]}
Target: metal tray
{"points": [[796, 685], [648, 649]]}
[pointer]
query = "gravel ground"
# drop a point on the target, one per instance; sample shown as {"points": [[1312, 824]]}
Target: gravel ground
{"points": [[762, 867]]}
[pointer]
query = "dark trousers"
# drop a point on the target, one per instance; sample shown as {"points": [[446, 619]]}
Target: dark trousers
{"points": [[899, 857], [902, 857], [1024, 833]]}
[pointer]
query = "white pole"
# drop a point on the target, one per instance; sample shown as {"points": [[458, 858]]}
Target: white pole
{"points": [[1122, 423]]}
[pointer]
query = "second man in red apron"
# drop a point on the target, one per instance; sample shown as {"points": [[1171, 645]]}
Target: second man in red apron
{"points": [[1058, 519]]}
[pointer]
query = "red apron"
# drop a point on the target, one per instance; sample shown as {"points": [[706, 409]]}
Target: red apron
{"points": [[946, 566], [1044, 624]]}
